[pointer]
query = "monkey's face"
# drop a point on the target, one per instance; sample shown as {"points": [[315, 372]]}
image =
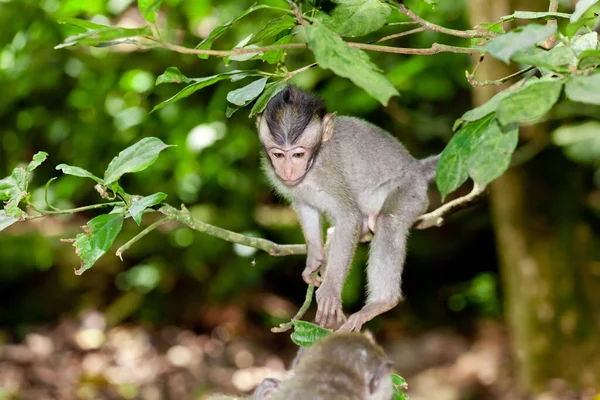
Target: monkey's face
{"points": [[291, 163]]}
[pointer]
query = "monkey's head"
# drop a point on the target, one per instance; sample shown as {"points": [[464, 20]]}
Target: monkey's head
{"points": [[291, 129]]}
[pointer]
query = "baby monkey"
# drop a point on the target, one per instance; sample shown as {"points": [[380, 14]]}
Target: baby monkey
{"points": [[342, 366], [357, 176]]}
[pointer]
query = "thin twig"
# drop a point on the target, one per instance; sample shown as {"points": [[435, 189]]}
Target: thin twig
{"points": [[297, 13], [291, 74], [436, 217], [434, 49], [473, 33], [397, 35], [73, 210], [140, 235], [551, 41], [495, 82], [289, 325]]}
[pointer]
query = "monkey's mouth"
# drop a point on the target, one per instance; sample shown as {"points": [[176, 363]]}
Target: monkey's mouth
{"points": [[293, 182]]}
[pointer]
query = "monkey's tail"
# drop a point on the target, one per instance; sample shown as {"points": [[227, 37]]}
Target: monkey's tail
{"points": [[429, 166]]}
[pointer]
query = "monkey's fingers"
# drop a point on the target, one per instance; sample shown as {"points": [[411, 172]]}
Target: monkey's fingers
{"points": [[307, 276], [329, 312]]}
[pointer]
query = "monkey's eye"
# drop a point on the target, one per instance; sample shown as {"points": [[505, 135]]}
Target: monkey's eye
{"points": [[298, 155], [278, 155]]}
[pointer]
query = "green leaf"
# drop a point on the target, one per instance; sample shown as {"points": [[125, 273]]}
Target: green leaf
{"points": [[398, 395], [589, 59], [483, 110], [331, 52], [8, 188], [574, 27], [580, 142], [504, 46], [584, 89], [172, 75], [244, 95], [88, 254], [274, 56], [492, 153], [6, 220], [38, 158], [557, 59], [230, 110], [103, 36], [82, 23], [104, 230], [534, 15], [530, 102], [493, 27], [399, 381], [76, 171], [137, 208], [357, 17], [452, 169], [148, 9], [273, 28], [270, 90], [135, 158], [581, 7], [197, 84], [589, 41], [207, 43], [305, 333]]}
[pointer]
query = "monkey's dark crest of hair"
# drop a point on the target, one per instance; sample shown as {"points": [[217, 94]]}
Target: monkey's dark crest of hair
{"points": [[289, 112]]}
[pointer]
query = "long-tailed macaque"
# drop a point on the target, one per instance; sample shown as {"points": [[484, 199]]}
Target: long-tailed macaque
{"points": [[342, 366], [361, 179]]}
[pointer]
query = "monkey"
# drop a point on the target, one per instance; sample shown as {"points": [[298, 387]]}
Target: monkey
{"points": [[263, 391], [341, 366], [357, 176]]}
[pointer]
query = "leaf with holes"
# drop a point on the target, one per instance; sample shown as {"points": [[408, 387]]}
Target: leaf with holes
{"points": [[331, 52], [100, 234], [135, 158], [137, 207]]}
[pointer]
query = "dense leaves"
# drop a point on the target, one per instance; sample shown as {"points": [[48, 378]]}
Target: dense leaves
{"points": [[356, 17], [585, 89], [505, 46], [530, 102]]}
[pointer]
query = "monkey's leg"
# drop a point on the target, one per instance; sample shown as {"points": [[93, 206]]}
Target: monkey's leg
{"points": [[267, 387], [348, 226], [388, 252], [310, 220]]}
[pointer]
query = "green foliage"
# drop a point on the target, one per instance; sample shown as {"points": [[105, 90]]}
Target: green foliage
{"points": [[530, 102], [148, 9], [584, 89], [580, 142], [134, 159], [138, 206], [505, 46], [333, 53], [356, 17], [399, 385], [305, 333], [581, 7]]}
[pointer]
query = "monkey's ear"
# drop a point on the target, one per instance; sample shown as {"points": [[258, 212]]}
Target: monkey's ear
{"points": [[328, 125], [258, 119], [382, 372]]}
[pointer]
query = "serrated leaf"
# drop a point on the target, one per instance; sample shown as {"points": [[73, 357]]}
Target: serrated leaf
{"points": [[148, 9], [503, 47], [584, 89], [135, 158], [172, 75], [137, 208], [581, 7], [273, 28], [356, 18], [197, 84], [580, 142], [331, 52], [207, 43], [492, 153], [244, 95], [453, 168], [305, 333], [530, 102], [270, 90], [274, 56], [76, 171], [38, 159], [6, 220], [98, 37], [534, 15]]}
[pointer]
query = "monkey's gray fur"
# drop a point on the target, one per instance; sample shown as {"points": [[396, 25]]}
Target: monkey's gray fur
{"points": [[360, 178]]}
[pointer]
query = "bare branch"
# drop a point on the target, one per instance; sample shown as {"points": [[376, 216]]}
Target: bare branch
{"points": [[397, 35], [291, 74], [436, 217], [495, 82], [472, 33], [551, 41], [434, 49], [140, 235], [297, 13]]}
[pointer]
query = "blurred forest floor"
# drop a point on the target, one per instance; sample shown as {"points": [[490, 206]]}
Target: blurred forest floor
{"points": [[82, 359]]}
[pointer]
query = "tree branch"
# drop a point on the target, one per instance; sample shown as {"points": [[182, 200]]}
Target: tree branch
{"points": [[140, 235], [551, 41], [289, 325], [436, 217], [472, 33], [397, 35]]}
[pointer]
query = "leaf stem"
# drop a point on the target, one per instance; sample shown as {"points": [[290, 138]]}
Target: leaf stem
{"points": [[397, 35], [495, 82], [291, 74], [140, 235], [289, 325], [76, 210]]}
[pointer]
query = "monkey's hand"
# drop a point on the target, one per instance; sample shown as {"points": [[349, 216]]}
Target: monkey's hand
{"points": [[353, 324], [329, 308], [314, 261]]}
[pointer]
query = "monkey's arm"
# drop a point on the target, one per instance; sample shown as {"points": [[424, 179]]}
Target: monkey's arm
{"points": [[341, 250], [310, 219]]}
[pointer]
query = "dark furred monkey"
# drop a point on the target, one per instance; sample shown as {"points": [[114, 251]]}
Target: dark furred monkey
{"points": [[360, 178]]}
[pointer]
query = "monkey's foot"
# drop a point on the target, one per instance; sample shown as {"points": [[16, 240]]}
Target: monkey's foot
{"points": [[368, 312], [329, 311]]}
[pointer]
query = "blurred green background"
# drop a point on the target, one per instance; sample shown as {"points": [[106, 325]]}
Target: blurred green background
{"points": [[84, 105]]}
